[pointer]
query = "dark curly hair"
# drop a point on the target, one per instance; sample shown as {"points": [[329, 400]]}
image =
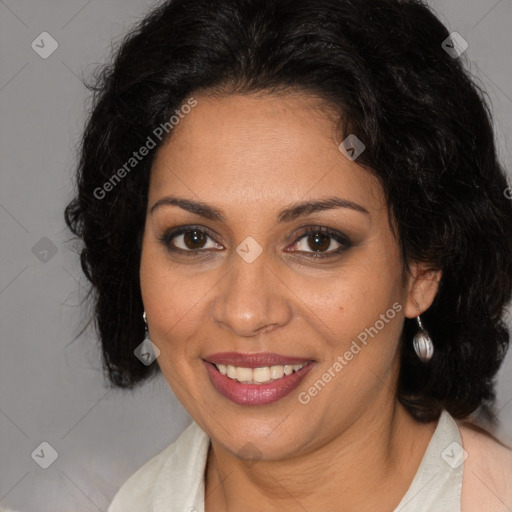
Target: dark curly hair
{"points": [[381, 66]]}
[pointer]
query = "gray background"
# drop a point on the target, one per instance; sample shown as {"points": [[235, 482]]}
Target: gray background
{"points": [[52, 390]]}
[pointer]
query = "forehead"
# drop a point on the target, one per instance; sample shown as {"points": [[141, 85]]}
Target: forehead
{"points": [[261, 150]]}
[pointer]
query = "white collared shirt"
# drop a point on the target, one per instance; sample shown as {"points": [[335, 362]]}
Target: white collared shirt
{"points": [[173, 480]]}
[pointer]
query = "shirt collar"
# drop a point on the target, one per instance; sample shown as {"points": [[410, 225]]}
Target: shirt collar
{"points": [[180, 483]]}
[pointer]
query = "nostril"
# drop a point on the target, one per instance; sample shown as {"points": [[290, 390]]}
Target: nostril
{"points": [[263, 330]]}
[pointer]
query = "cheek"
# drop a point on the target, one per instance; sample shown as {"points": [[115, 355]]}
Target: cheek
{"points": [[363, 330], [356, 297], [175, 304], [358, 340], [361, 312]]}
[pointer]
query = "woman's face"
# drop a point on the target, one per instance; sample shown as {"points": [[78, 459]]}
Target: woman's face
{"points": [[253, 272]]}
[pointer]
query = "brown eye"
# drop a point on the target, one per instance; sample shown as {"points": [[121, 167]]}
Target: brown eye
{"points": [[321, 242], [188, 240], [194, 239]]}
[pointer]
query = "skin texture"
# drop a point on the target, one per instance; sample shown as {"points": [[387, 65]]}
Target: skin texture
{"points": [[251, 156]]}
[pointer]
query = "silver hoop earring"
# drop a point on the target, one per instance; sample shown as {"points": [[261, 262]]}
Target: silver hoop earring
{"points": [[422, 343]]}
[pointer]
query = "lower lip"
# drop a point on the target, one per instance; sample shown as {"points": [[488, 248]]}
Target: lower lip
{"points": [[255, 394]]}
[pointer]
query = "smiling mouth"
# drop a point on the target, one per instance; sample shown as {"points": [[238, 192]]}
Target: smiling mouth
{"points": [[260, 375]]}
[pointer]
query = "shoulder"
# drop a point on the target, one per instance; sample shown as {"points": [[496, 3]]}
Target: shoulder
{"points": [[138, 491], [487, 477]]}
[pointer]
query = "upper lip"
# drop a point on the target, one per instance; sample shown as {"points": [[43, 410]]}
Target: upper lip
{"points": [[254, 360]]}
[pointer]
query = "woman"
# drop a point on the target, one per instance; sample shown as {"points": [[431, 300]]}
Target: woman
{"points": [[299, 202]]}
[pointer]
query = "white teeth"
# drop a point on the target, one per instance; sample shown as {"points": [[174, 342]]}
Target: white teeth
{"points": [[258, 375], [276, 372], [231, 373], [243, 374]]}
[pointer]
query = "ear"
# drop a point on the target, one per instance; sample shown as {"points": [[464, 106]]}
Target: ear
{"points": [[422, 286]]}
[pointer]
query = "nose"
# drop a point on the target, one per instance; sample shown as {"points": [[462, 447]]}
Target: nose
{"points": [[251, 299]]}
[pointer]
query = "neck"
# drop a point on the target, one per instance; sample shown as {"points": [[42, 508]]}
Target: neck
{"points": [[369, 466]]}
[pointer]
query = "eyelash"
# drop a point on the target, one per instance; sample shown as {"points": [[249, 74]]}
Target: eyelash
{"points": [[342, 239]]}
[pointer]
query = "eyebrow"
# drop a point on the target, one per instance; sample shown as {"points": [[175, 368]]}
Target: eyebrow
{"points": [[288, 214]]}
